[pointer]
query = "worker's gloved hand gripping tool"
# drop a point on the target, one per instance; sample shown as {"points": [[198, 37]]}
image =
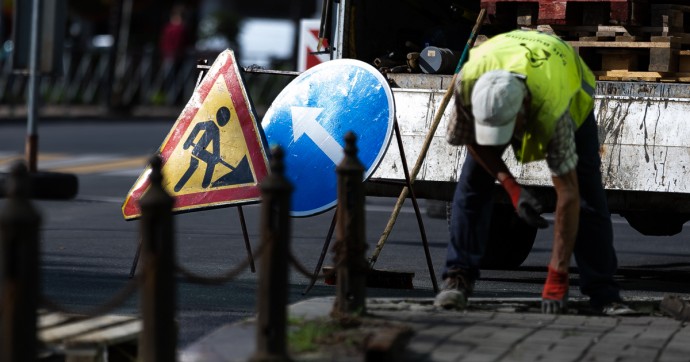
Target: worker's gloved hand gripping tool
{"points": [[527, 206]]}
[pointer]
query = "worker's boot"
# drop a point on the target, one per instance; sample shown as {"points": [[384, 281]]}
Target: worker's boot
{"points": [[554, 297], [457, 287]]}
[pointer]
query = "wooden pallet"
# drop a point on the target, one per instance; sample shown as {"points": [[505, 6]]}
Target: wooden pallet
{"points": [[659, 54], [664, 20], [668, 14], [572, 12], [78, 339], [630, 36], [624, 33], [613, 75], [630, 48]]}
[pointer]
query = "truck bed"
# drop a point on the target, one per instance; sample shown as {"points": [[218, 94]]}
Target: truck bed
{"points": [[644, 130]]}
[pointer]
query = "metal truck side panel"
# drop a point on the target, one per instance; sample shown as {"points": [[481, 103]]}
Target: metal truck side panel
{"points": [[644, 130]]}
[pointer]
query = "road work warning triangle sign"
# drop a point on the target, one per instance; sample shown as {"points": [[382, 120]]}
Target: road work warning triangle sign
{"points": [[215, 153]]}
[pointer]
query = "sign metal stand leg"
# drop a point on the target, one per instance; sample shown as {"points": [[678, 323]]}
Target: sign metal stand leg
{"points": [[133, 269], [246, 239], [324, 251], [420, 222]]}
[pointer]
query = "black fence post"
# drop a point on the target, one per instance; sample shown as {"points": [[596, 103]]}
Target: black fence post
{"points": [[158, 341], [272, 295], [351, 266], [19, 234]]}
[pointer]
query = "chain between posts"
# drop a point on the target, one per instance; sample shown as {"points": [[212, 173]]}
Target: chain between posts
{"points": [[220, 279], [306, 273], [117, 300]]}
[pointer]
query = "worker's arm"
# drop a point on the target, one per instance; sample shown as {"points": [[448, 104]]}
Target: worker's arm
{"points": [[566, 220], [526, 205], [562, 160]]}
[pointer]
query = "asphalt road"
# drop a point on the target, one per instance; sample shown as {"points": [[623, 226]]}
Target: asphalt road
{"points": [[88, 248]]}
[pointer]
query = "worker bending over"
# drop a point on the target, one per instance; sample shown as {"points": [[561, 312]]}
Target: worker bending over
{"points": [[531, 91]]}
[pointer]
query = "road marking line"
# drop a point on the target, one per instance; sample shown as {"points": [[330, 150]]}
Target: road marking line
{"points": [[7, 158], [128, 172], [74, 161], [104, 166], [87, 164]]}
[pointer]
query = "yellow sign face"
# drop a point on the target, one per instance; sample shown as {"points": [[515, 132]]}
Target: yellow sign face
{"points": [[212, 152], [215, 153]]}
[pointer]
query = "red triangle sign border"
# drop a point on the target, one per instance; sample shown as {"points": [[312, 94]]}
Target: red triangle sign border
{"points": [[225, 65]]}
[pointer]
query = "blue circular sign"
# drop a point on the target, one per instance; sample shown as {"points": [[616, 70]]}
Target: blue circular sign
{"points": [[309, 120]]}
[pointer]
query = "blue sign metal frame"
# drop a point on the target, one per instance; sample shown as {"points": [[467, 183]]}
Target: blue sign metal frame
{"points": [[309, 120]]}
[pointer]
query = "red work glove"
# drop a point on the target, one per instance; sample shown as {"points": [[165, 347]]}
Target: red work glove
{"points": [[527, 206], [554, 297]]}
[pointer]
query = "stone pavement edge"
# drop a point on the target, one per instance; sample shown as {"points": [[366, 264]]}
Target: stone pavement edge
{"points": [[489, 330]]}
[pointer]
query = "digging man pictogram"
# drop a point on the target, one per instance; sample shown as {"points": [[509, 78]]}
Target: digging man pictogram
{"points": [[210, 135]]}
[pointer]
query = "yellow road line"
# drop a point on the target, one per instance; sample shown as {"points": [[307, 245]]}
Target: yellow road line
{"points": [[10, 159], [41, 157], [106, 165]]}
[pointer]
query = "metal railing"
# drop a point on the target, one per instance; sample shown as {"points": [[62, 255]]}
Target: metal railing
{"points": [[140, 79]]}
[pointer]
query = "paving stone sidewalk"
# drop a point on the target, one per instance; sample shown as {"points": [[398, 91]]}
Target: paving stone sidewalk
{"points": [[490, 330]]}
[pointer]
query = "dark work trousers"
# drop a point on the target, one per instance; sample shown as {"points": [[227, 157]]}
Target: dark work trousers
{"points": [[594, 253]]}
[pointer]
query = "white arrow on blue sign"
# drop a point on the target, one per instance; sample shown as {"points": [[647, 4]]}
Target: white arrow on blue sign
{"points": [[309, 120]]}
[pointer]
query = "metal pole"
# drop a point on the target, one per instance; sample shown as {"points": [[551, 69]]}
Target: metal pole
{"points": [[19, 237], [351, 266], [2, 27], [272, 295], [159, 336], [123, 40], [245, 234], [109, 79], [324, 251], [296, 12], [32, 106]]}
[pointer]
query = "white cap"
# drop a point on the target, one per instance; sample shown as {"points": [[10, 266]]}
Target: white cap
{"points": [[496, 100]]}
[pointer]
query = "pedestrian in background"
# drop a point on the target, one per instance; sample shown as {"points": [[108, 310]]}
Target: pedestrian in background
{"points": [[532, 91], [173, 43], [174, 37]]}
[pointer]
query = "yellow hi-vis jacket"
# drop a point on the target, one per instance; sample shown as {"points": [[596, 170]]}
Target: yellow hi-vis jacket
{"points": [[557, 78]]}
